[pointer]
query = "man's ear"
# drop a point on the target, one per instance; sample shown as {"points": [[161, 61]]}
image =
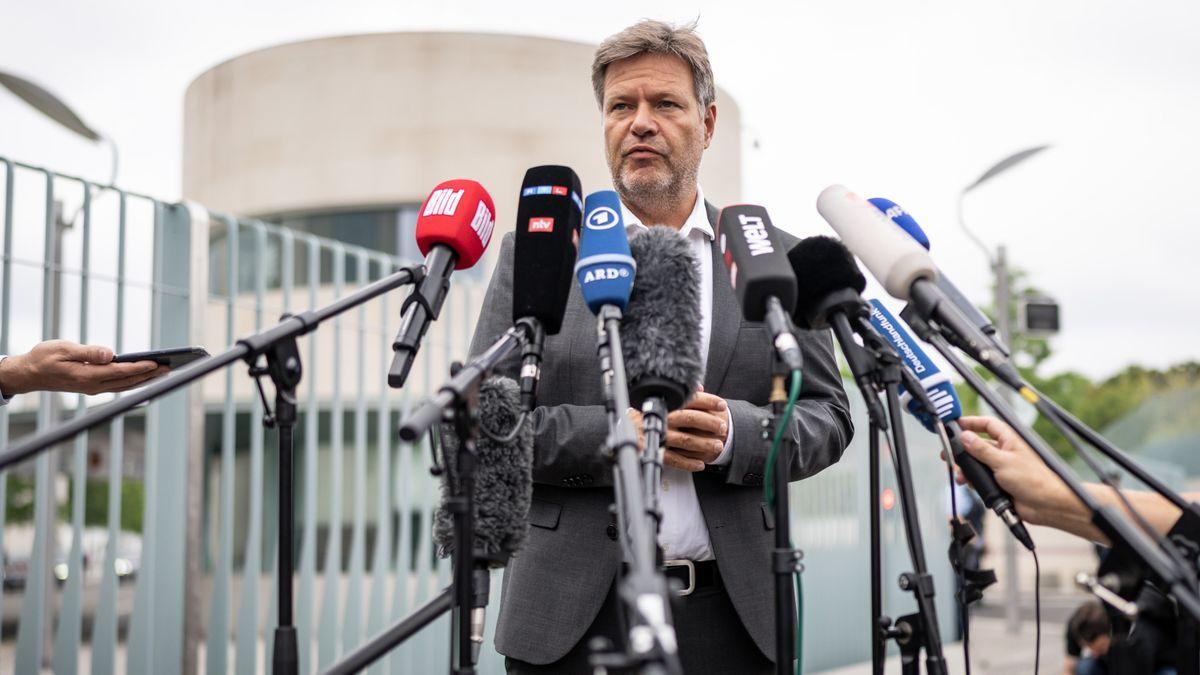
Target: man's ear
{"points": [[710, 124]]}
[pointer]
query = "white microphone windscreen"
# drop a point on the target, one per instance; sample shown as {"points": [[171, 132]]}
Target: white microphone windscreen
{"points": [[888, 252]]}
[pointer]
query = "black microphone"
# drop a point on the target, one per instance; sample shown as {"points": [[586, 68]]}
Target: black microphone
{"points": [[829, 295], [760, 275], [549, 213], [503, 490], [453, 230], [660, 331]]}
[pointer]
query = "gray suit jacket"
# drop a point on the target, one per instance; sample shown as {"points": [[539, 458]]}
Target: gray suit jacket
{"points": [[554, 587]]}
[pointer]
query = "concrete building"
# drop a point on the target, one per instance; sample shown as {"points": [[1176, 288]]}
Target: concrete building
{"points": [[345, 136]]}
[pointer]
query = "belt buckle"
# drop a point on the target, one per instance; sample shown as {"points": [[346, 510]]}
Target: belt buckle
{"points": [[691, 568]]}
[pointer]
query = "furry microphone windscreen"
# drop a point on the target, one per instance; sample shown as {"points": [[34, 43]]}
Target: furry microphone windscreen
{"points": [[660, 333], [823, 266], [503, 479]]}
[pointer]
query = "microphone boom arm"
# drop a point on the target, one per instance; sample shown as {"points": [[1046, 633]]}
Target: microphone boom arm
{"points": [[1106, 518]]}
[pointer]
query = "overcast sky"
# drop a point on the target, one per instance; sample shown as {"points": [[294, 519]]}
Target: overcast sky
{"points": [[899, 99]]}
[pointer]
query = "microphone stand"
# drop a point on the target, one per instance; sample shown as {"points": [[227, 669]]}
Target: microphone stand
{"points": [[785, 559], [876, 366], [283, 366], [1106, 518], [651, 646]]}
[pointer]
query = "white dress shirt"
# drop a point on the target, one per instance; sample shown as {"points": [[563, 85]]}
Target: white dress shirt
{"points": [[683, 533]]}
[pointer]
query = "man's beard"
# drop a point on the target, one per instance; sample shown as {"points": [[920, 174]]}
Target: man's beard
{"points": [[653, 195]]}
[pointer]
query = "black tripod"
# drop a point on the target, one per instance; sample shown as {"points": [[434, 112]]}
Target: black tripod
{"points": [[877, 367]]}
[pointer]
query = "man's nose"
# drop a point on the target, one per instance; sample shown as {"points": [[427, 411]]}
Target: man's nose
{"points": [[644, 123]]}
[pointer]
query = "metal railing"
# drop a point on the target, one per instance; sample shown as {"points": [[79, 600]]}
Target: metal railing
{"points": [[152, 550]]}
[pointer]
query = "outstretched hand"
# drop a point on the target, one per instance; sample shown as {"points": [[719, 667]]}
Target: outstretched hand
{"points": [[1036, 491], [60, 365]]}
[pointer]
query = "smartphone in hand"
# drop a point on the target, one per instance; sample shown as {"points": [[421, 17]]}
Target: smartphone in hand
{"points": [[172, 358]]}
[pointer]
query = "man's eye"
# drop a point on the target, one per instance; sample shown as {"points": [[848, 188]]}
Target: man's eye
{"points": [[668, 104], [619, 106]]}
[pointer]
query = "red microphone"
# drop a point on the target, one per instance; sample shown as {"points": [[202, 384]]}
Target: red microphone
{"points": [[453, 230]]}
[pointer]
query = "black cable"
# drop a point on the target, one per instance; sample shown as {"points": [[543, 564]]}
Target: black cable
{"points": [[1037, 612], [508, 437], [963, 616]]}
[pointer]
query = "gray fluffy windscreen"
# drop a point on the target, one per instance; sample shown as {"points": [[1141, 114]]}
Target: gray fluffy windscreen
{"points": [[503, 479], [660, 332]]}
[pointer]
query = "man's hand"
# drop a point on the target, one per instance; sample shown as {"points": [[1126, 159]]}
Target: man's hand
{"points": [[1037, 493], [696, 432], [59, 365]]}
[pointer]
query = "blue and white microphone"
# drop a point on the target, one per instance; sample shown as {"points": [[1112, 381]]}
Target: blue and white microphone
{"points": [[605, 268], [936, 383], [904, 220], [941, 392]]}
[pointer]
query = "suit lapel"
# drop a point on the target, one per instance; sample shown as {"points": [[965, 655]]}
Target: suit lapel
{"points": [[725, 323]]}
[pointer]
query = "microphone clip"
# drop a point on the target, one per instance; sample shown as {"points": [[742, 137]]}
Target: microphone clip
{"points": [[533, 340], [284, 368]]}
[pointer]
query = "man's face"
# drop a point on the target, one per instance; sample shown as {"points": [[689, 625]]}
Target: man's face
{"points": [[654, 128]]}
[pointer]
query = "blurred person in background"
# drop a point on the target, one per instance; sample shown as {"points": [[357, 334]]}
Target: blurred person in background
{"points": [[1088, 638]]}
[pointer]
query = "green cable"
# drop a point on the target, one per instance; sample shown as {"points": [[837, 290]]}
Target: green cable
{"points": [[769, 493], [780, 427]]}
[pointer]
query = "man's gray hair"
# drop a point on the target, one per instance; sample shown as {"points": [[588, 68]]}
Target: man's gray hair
{"points": [[657, 37]]}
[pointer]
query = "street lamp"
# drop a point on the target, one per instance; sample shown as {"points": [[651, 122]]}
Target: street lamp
{"points": [[996, 169], [1001, 298], [41, 100]]}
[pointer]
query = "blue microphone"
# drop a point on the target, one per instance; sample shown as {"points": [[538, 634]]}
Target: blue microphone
{"points": [[941, 392], [605, 268], [904, 220]]}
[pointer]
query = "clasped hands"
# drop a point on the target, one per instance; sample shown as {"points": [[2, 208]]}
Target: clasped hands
{"points": [[696, 433]]}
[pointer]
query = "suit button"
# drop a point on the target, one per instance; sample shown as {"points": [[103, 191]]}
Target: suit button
{"points": [[752, 479], [611, 531], [587, 479]]}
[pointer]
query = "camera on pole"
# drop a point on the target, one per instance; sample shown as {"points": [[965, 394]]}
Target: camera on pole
{"points": [[1037, 315]]}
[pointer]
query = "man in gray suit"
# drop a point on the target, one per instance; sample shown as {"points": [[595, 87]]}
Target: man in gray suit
{"points": [[656, 92]]}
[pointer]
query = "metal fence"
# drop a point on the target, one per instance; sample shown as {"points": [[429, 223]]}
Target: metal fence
{"points": [[148, 545]]}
